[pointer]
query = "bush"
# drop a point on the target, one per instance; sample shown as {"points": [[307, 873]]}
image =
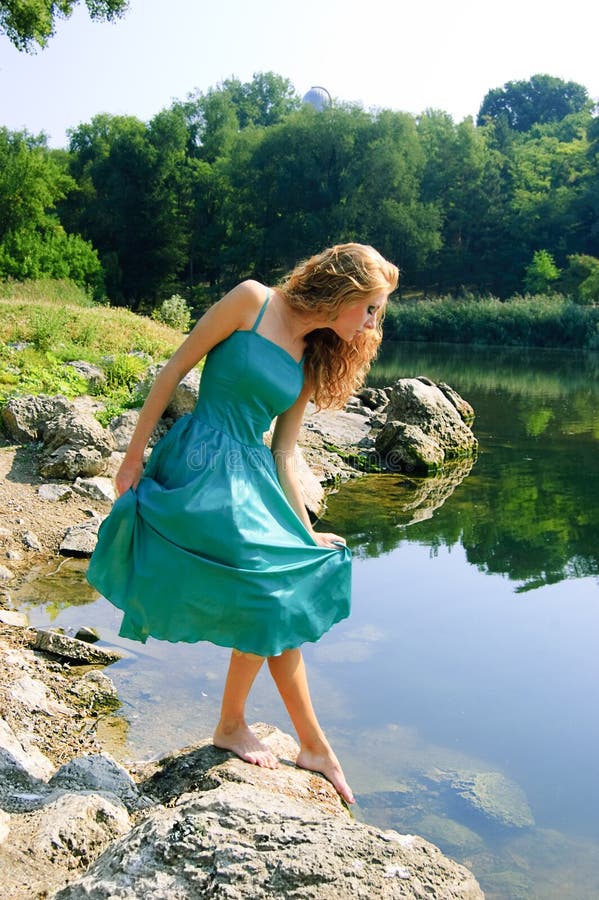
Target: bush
{"points": [[533, 320], [174, 312]]}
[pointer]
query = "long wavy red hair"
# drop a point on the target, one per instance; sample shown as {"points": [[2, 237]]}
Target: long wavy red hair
{"points": [[339, 275]]}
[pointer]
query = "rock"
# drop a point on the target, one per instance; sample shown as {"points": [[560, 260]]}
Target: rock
{"points": [[237, 831], [81, 539], [490, 793], [100, 773], [75, 444], [97, 690], [185, 396], [5, 574], [95, 375], [123, 426], [79, 827], [54, 491], [34, 695], [463, 407], [373, 398], [15, 555], [4, 826], [406, 448], [90, 635], [98, 488], [59, 840], [12, 617], [31, 540], [28, 768], [25, 418], [71, 649], [424, 429], [337, 427]]}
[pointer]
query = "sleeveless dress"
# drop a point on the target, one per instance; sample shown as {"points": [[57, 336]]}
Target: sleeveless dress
{"points": [[207, 547]]}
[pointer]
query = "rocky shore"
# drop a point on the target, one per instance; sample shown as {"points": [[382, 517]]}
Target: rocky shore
{"points": [[73, 822]]}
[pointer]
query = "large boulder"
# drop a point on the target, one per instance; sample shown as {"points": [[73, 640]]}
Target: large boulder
{"points": [[26, 418], [424, 427], [223, 828], [75, 444], [184, 397]]}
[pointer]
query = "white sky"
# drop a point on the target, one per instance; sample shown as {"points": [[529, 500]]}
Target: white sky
{"points": [[443, 54]]}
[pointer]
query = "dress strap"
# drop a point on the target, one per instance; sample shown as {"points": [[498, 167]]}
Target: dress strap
{"points": [[261, 313]]}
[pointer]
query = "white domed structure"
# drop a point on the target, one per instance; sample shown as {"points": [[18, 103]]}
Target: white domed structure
{"points": [[318, 97]]}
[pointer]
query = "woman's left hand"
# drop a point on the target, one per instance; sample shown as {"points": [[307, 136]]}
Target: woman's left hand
{"points": [[333, 541]]}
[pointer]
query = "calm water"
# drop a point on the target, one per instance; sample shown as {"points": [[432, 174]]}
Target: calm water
{"points": [[471, 652]]}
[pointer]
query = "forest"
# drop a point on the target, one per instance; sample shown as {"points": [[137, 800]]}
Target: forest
{"points": [[244, 179]]}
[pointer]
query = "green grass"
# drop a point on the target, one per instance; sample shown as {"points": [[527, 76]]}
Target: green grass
{"points": [[46, 324]]}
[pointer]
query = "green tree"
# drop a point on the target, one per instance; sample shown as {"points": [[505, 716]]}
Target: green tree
{"points": [[540, 99], [541, 273], [470, 182], [134, 201], [581, 279], [214, 118], [29, 24], [33, 243], [550, 166]]}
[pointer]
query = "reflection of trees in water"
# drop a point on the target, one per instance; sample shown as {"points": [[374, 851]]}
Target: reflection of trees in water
{"points": [[372, 512], [529, 509], [56, 585], [519, 371]]}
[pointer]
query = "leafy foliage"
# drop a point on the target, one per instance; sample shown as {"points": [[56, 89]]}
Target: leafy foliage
{"points": [[28, 23], [539, 100]]}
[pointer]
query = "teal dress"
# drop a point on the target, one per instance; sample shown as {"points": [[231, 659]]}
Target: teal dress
{"points": [[207, 547]]}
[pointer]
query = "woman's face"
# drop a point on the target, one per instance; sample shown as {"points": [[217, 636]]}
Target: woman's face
{"points": [[357, 317]]}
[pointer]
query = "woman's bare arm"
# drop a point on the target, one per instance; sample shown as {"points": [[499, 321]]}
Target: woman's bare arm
{"points": [[283, 445]]}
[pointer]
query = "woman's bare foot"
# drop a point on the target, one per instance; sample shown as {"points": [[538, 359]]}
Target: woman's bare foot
{"points": [[241, 740], [327, 764]]}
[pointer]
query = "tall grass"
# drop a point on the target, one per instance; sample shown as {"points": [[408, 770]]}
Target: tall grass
{"points": [[46, 324], [529, 321]]}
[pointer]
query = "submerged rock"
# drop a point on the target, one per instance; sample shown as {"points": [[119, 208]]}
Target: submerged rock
{"points": [[493, 794]]}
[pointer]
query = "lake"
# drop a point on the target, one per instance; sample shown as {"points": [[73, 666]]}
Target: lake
{"points": [[462, 694]]}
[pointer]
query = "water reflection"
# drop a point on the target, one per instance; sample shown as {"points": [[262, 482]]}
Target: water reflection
{"points": [[530, 507]]}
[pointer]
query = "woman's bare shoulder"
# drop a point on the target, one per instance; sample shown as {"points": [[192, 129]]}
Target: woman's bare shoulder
{"points": [[248, 297]]}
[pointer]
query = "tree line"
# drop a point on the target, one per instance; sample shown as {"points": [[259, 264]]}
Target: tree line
{"points": [[243, 180]]}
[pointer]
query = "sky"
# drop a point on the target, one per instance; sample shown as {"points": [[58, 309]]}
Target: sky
{"points": [[439, 54]]}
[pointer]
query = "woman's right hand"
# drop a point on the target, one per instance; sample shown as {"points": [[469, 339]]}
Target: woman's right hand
{"points": [[128, 476]]}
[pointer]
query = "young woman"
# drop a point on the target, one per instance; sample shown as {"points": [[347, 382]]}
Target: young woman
{"points": [[211, 541]]}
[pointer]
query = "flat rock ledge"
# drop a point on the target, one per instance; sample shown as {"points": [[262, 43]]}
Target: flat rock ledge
{"points": [[199, 822], [219, 827]]}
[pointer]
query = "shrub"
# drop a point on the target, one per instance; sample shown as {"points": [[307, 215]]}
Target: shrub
{"points": [[174, 312]]}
